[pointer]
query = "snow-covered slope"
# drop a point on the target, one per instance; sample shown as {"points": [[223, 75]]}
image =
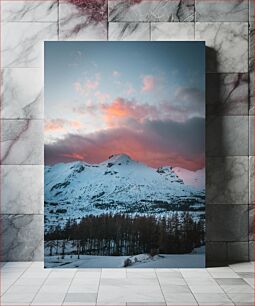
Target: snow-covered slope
{"points": [[118, 184]]}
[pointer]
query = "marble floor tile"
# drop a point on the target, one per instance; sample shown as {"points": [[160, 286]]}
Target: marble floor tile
{"points": [[19, 240], [230, 175], [22, 10], [227, 94], [180, 299], [242, 299], [172, 31], [21, 192], [23, 43], [84, 285], [81, 297], [213, 299], [22, 142], [153, 10], [44, 298], [114, 273], [22, 93], [243, 267], [227, 42], [81, 21], [227, 135], [222, 272], [234, 10], [129, 31]]}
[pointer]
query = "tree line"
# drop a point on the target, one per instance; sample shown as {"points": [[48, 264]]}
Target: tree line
{"points": [[121, 234]]}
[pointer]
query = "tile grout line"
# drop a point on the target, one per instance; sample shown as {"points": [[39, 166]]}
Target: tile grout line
{"points": [[160, 286], [98, 287], [69, 286], [40, 287], [15, 280], [189, 287]]}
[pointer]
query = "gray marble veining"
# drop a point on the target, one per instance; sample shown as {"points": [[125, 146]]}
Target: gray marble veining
{"points": [[22, 42], [227, 94], [251, 69], [22, 237], [251, 221], [227, 223], [129, 31], [172, 31], [22, 10], [80, 23], [153, 10], [251, 135], [22, 142], [227, 135], [22, 93], [227, 180], [227, 45], [251, 180], [21, 189], [234, 10]]}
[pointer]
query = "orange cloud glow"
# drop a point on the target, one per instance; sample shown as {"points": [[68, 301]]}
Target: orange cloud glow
{"points": [[60, 125]]}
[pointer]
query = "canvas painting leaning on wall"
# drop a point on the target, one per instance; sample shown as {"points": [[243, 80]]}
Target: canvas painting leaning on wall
{"points": [[124, 154]]}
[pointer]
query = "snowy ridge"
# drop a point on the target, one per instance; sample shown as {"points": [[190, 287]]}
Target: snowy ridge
{"points": [[118, 184]]}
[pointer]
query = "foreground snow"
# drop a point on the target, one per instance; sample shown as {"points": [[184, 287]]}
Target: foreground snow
{"points": [[194, 260]]}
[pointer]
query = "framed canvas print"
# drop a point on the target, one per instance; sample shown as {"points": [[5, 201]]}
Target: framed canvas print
{"points": [[124, 176]]}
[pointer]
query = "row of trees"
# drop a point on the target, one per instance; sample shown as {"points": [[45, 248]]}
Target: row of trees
{"points": [[124, 235]]}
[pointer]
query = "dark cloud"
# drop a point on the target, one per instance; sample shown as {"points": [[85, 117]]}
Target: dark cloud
{"points": [[154, 142]]}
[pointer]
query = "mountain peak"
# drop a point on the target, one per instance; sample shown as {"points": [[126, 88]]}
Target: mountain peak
{"points": [[120, 158]]}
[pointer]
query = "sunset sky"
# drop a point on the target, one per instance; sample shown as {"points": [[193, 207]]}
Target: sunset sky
{"points": [[145, 99]]}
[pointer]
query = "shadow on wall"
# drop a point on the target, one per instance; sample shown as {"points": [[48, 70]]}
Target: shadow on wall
{"points": [[214, 256]]}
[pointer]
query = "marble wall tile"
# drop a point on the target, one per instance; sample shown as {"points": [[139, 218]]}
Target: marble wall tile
{"points": [[251, 135], [77, 22], [251, 222], [251, 180], [237, 251], [234, 10], [129, 31], [22, 10], [227, 180], [251, 10], [22, 93], [251, 69], [22, 43], [227, 43], [227, 135], [21, 189], [216, 252], [251, 250], [22, 237], [151, 10], [172, 31], [227, 223], [227, 94], [22, 142]]}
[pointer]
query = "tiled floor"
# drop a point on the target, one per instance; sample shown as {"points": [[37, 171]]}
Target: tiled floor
{"points": [[27, 283]]}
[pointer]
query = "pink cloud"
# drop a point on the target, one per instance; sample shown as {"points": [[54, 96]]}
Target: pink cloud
{"points": [[61, 125], [155, 143], [149, 83]]}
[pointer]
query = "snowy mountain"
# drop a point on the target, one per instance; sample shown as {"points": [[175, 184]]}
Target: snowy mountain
{"points": [[119, 184]]}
